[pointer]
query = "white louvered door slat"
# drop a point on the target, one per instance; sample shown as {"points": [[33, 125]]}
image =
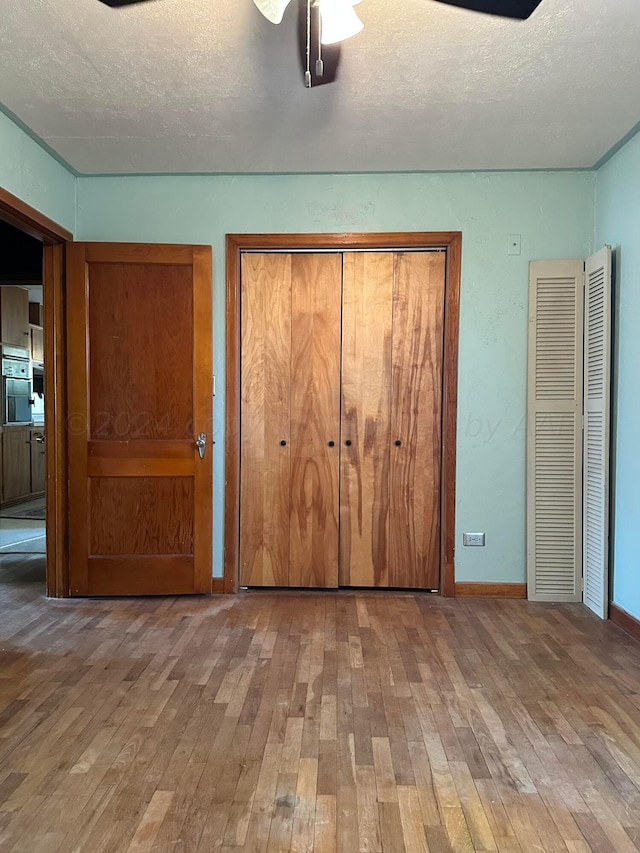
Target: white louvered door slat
{"points": [[597, 361], [554, 431]]}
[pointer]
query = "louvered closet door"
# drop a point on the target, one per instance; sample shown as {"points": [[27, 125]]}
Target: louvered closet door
{"points": [[393, 314], [554, 431], [290, 414], [597, 362]]}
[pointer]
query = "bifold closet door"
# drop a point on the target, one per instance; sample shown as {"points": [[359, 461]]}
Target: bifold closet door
{"points": [[554, 430], [265, 407], [416, 419], [367, 317], [315, 419], [596, 436], [393, 327], [290, 419], [568, 430]]}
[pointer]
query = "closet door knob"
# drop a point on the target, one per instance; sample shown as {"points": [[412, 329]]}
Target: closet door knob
{"points": [[348, 442], [332, 444], [398, 443], [283, 443]]}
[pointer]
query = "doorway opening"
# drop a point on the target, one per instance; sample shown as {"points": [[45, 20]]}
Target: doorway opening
{"points": [[33, 458], [22, 428]]}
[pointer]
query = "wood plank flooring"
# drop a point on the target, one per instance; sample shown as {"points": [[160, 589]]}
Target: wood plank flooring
{"points": [[320, 722]]}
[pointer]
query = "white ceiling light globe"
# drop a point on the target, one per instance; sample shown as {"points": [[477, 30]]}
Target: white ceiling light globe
{"points": [[339, 21]]}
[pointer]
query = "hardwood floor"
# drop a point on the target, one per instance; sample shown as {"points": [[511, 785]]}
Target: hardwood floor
{"points": [[313, 722]]}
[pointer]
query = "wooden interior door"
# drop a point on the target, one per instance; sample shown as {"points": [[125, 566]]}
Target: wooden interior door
{"points": [[290, 419], [139, 389], [393, 327]]}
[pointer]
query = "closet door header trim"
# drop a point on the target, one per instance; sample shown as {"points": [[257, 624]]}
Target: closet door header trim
{"points": [[340, 250]]}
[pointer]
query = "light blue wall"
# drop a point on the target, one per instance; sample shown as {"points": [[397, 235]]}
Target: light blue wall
{"points": [[618, 224], [29, 172], [552, 211]]}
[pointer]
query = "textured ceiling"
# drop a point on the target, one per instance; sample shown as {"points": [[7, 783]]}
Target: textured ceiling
{"points": [[211, 86]]}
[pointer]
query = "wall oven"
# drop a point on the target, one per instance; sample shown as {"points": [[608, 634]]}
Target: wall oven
{"points": [[17, 401]]}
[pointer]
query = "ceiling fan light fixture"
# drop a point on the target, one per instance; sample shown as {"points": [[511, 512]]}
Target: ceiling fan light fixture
{"points": [[339, 21], [273, 10]]}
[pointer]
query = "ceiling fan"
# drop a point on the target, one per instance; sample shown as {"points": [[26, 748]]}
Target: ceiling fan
{"points": [[274, 9], [329, 22]]}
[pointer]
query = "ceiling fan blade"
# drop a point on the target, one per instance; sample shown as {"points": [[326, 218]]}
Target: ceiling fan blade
{"points": [[116, 4], [520, 9], [273, 10]]}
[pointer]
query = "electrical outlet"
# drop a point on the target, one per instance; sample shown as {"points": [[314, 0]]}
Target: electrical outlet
{"points": [[475, 539], [513, 247]]}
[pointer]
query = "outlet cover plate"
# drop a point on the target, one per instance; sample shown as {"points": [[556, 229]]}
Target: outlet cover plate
{"points": [[474, 539], [513, 247]]}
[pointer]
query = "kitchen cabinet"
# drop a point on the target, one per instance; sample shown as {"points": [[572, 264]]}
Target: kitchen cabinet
{"points": [[37, 344], [16, 463], [36, 316], [38, 467], [23, 463], [14, 316]]}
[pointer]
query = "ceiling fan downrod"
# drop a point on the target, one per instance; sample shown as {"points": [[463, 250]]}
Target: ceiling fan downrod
{"points": [[319, 60], [307, 73]]}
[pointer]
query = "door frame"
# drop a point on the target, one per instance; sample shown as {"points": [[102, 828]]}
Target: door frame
{"points": [[451, 241], [54, 238]]}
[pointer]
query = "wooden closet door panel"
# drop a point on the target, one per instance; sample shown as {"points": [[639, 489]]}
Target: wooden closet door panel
{"points": [[418, 320], [265, 414], [367, 314], [315, 418]]}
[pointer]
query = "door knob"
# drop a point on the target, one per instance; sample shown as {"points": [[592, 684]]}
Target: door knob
{"points": [[201, 444], [348, 442], [332, 444], [283, 443], [398, 443]]}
